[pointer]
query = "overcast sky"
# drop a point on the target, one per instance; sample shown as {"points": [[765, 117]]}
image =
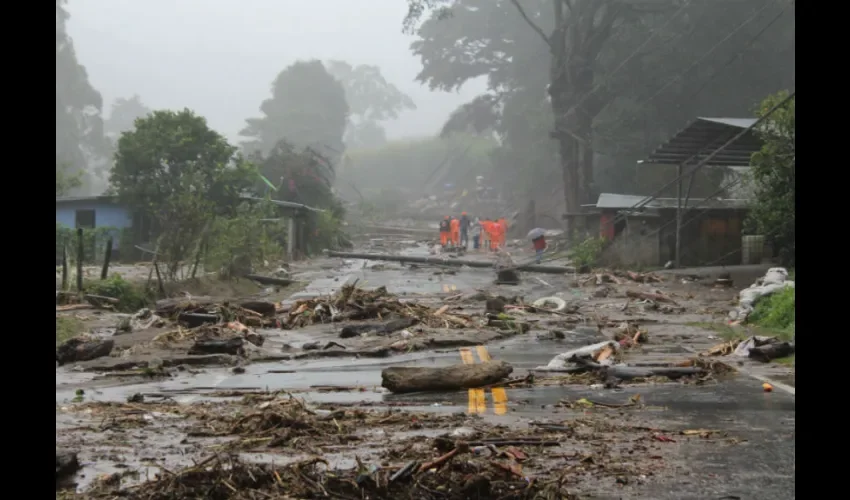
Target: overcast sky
{"points": [[219, 57]]}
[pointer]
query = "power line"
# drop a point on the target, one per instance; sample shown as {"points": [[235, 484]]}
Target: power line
{"points": [[735, 57], [717, 72], [708, 158], [711, 50]]}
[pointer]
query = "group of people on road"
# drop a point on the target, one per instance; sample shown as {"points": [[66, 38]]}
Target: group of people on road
{"points": [[486, 233]]}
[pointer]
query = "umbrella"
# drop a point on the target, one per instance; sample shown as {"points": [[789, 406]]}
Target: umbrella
{"points": [[536, 233]]}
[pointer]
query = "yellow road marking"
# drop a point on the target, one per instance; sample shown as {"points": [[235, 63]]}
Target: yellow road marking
{"points": [[468, 359], [500, 396]]}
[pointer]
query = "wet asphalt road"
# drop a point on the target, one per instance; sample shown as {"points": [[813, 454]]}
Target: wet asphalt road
{"points": [[761, 466]]}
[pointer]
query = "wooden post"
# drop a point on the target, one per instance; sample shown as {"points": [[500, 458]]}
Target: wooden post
{"points": [[676, 260], [80, 252], [64, 265], [107, 256]]}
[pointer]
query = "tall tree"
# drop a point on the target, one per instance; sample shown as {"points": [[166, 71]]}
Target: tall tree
{"points": [[618, 76], [372, 100], [124, 113], [175, 169], [773, 176], [79, 126], [307, 109]]}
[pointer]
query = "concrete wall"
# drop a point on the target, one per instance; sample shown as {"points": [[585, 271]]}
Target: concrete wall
{"points": [[632, 249], [107, 214]]}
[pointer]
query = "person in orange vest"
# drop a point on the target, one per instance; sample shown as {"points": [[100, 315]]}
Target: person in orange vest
{"points": [[444, 231], [455, 232], [496, 238], [503, 231], [485, 233]]}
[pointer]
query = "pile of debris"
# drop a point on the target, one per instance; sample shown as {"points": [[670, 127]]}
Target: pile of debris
{"points": [[353, 303], [757, 347], [604, 359], [197, 311], [228, 477]]}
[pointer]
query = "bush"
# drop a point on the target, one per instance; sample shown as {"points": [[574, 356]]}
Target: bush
{"points": [[776, 311], [587, 253], [131, 296], [246, 241]]}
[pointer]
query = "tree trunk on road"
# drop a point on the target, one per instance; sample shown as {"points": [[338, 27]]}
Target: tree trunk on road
{"points": [[450, 378]]}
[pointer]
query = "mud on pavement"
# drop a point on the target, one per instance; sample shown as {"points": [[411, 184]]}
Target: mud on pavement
{"points": [[271, 444]]}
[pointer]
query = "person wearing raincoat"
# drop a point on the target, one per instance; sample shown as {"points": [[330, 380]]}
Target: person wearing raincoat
{"points": [[538, 240]]}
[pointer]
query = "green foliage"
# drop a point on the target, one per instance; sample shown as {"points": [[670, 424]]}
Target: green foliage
{"points": [[638, 100], [773, 179], [68, 327], [237, 245], [176, 169], [66, 181], [372, 100], [776, 311], [587, 252], [131, 296], [307, 109], [327, 231]]}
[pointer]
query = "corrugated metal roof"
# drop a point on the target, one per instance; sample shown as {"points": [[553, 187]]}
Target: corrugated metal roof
{"points": [[741, 123], [704, 136], [626, 201]]}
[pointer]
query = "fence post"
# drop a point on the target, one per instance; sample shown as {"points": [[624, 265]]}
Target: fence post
{"points": [[80, 255], [107, 256], [64, 264]]}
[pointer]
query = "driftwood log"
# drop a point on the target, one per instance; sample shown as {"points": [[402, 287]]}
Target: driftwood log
{"points": [[193, 320], [439, 261], [630, 372], [769, 352], [83, 349], [385, 328], [232, 345], [170, 307], [400, 379], [66, 465], [270, 280], [263, 307]]}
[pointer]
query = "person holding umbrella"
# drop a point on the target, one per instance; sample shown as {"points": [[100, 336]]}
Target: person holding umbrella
{"points": [[538, 239]]}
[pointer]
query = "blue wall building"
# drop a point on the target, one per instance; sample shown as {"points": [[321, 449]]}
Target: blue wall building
{"points": [[93, 212]]}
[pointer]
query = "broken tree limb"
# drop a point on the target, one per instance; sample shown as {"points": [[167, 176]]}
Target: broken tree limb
{"points": [[630, 372], [437, 261], [269, 280], [769, 352], [193, 320], [216, 346], [66, 464], [83, 349], [262, 307], [400, 379], [377, 328]]}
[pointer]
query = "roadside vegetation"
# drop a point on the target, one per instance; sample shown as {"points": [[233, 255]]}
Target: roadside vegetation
{"points": [[67, 327]]}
